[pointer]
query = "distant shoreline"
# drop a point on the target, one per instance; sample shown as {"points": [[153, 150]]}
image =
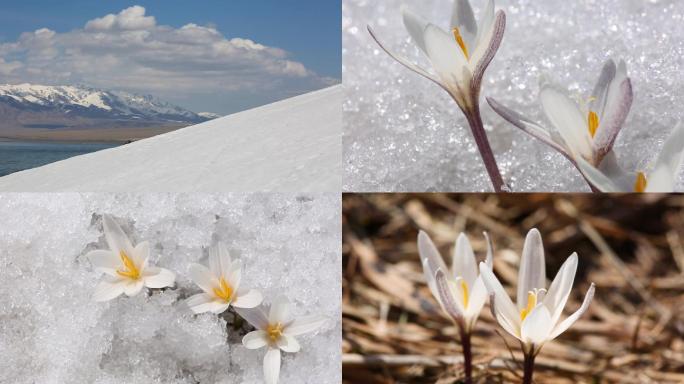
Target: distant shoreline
{"points": [[97, 135]]}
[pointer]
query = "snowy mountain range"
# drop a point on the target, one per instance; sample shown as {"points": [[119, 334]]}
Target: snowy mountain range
{"points": [[28, 102]]}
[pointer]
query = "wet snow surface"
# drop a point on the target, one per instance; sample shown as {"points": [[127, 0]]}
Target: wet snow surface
{"points": [[403, 133], [52, 332], [289, 146]]}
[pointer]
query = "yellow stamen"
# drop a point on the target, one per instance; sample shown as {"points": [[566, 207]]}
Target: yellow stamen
{"points": [[531, 303], [130, 270], [274, 331], [224, 290], [464, 289], [641, 182], [461, 43], [593, 123]]}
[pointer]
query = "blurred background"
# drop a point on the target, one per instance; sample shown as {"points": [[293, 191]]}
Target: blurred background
{"points": [[630, 245]]}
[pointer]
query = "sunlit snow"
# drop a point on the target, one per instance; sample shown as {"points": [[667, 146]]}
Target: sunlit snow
{"points": [[51, 331], [403, 133]]}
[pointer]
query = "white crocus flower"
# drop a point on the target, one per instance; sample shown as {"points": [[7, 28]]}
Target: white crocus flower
{"points": [[460, 292], [126, 268], [276, 330], [583, 132], [221, 284], [536, 317], [459, 58], [610, 177]]}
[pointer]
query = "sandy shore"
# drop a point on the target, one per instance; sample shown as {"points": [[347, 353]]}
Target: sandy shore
{"points": [[109, 135]]}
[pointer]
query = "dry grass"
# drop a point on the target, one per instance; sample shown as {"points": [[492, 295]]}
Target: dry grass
{"points": [[631, 246]]}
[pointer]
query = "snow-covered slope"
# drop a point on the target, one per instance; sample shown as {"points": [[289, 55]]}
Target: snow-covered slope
{"points": [[293, 145], [91, 102]]}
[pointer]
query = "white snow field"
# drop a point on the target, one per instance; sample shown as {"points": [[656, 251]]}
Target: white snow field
{"points": [[403, 133], [289, 146], [52, 332]]}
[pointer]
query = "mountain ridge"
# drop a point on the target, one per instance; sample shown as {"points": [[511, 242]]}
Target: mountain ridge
{"points": [[83, 102]]}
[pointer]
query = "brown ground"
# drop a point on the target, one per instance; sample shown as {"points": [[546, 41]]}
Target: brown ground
{"points": [[117, 135], [631, 246]]}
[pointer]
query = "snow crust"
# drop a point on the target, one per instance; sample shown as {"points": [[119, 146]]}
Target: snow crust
{"points": [[288, 146], [403, 133], [52, 332]]}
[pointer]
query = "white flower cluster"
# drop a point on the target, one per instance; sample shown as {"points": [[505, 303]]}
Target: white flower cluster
{"points": [[126, 271]]}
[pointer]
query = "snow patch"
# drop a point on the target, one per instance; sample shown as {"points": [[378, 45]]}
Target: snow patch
{"points": [[288, 146]]}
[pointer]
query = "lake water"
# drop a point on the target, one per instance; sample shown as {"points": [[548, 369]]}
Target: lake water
{"points": [[19, 155]]}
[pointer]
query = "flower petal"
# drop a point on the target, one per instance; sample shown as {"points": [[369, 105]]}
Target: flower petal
{"points": [[141, 253], [234, 276], [476, 299], [537, 326], [446, 56], [156, 277], [506, 323], [250, 299], [203, 277], [530, 127], [104, 261], [463, 261], [219, 260], [305, 324], [451, 305], [133, 287], [203, 302], [485, 25], [504, 306], [597, 178], [279, 311], [532, 272], [108, 289], [668, 163], [115, 236], [559, 291], [484, 53], [272, 366], [255, 339], [415, 25], [623, 179], [463, 18], [288, 344], [489, 260], [617, 108], [256, 316], [431, 260], [406, 63], [567, 119], [570, 320], [600, 93]]}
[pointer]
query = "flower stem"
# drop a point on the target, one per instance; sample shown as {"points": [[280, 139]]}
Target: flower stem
{"points": [[528, 367], [467, 355], [477, 128]]}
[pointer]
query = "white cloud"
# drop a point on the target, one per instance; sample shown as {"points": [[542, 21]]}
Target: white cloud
{"points": [[131, 51], [129, 19]]}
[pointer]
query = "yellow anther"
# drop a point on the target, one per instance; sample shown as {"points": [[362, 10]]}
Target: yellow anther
{"points": [[461, 43], [130, 270], [531, 303], [464, 289], [640, 183], [224, 290], [274, 331], [593, 123]]}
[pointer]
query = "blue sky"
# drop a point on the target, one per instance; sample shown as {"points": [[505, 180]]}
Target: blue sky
{"points": [[296, 44]]}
